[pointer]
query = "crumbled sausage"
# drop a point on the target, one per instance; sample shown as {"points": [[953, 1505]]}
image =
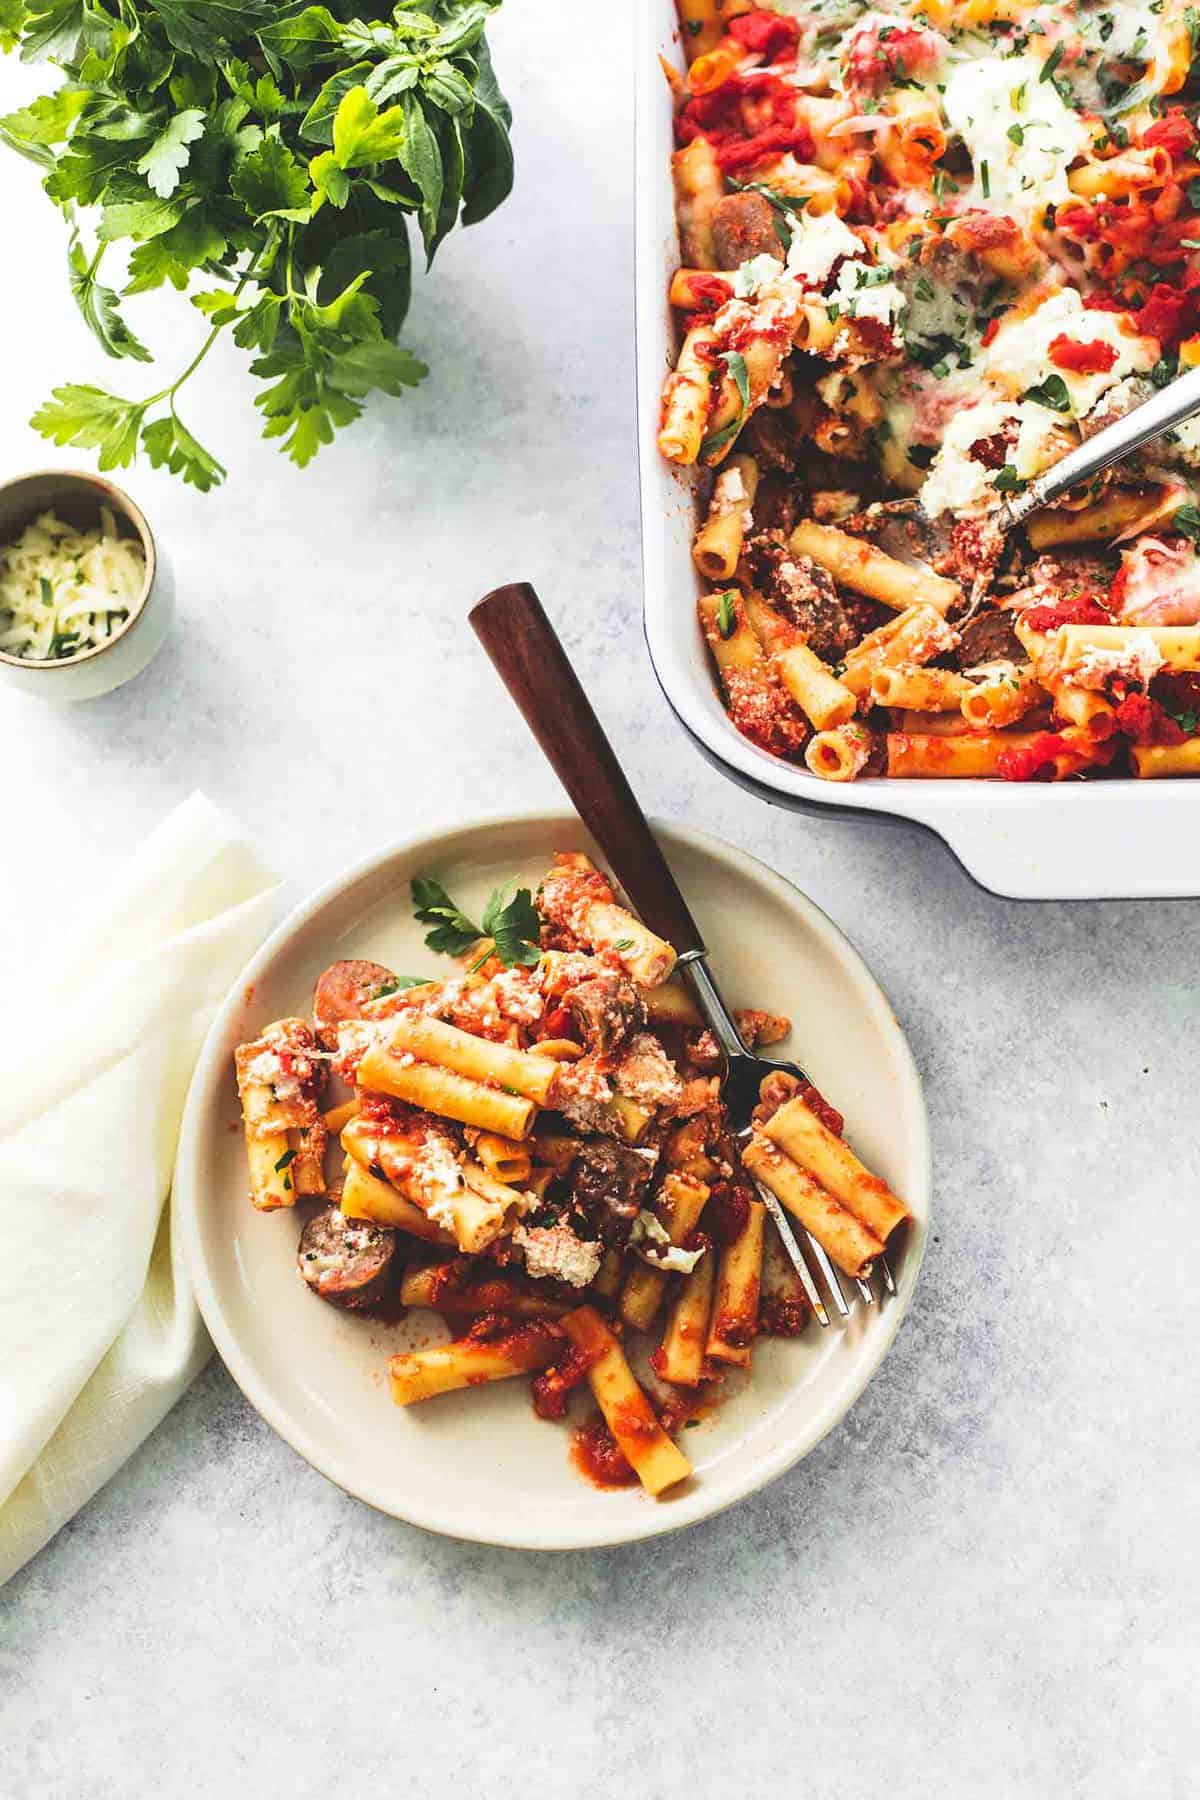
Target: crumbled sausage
{"points": [[606, 1008], [608, 1181]]}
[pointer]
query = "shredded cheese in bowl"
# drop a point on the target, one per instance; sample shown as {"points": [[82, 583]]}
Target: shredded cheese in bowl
{"points": [[64, 591]]}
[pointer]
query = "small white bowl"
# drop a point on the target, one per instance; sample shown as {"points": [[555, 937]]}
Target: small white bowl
{"points": [[77, 497]]}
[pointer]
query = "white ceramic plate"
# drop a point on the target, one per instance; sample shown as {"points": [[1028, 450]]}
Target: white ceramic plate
{"points": [[479, 1464]]}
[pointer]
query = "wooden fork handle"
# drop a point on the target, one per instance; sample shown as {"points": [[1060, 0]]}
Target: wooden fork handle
{"points": [[531, 662]]}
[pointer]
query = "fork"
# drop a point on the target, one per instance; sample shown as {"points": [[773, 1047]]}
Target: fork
{"points": [[525, 649]]}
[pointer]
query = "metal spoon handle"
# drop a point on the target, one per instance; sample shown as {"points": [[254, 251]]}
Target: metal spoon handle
{"points": [[1170, 406]]}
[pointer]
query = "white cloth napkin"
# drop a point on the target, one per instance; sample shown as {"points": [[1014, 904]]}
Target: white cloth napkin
{"points": [[99, 1331]]}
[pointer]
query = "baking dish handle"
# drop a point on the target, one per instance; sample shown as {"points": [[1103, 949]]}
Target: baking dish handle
{"points": [[1103, 840]]}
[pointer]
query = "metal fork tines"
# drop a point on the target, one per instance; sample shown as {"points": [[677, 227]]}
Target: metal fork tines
{"points": [[744, 1076], [829, 1274]]}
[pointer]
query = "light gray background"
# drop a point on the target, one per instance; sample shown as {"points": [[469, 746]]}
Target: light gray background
{"points": [[986, 1581]]}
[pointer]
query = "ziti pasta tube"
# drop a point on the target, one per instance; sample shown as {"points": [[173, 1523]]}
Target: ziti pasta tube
{"points": [[468, 1362], [658, 1463], [734, 1322], [829, 1159], [852, 1247], [680, 1356]]}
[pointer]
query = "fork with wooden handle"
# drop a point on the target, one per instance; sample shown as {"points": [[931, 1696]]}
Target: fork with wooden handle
{"points": [[533, 665]]}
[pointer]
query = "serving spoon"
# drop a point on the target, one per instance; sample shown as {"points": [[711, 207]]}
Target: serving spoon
{"points": [[908, 532]]}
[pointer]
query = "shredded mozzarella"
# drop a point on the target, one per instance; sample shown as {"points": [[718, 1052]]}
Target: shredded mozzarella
{"points": [[63, 591]]}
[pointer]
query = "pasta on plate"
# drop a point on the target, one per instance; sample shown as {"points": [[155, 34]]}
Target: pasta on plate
{"points": [[536, 1149], [925, 250]]}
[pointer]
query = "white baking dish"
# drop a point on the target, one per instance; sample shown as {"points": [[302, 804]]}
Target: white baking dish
{"points": [[1033, 841]]}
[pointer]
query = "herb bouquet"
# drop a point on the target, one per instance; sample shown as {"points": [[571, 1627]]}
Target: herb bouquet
{"points": [[274, 150]]}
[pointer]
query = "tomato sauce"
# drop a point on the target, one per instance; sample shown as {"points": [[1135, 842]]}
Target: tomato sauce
{"points": [[597, 1455]]}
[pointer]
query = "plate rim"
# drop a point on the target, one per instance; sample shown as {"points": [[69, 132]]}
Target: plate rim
{"points": [[187, 1201]]}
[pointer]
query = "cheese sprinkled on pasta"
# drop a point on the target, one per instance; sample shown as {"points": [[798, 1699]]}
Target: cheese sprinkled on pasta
{"points": [[63, 591]]}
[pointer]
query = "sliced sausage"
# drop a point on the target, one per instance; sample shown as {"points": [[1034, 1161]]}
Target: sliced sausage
{"points": [[341, 993], [743, 226], [989, 637], [346, 1261], [803, 592]]}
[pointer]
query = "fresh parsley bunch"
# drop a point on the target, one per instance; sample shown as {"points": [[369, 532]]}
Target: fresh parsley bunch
{"points": [[275, 149]]}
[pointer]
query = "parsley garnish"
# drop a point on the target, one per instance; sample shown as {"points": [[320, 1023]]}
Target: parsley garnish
{"points": [[921, 455], [509, 921], [623, 944], [1187, 520], [726, 617], [397, 983], [289, 1156], [1052, 393], [735, 362], [1052, 61], [1007, 481]]}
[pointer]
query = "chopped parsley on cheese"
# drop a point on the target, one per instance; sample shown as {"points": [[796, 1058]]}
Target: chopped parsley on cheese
{"points": [[1021, 134]]}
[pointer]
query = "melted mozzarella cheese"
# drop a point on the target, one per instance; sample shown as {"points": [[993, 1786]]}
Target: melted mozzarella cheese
{"points": [[1019, 355], [816, 245], [1020, 132]]}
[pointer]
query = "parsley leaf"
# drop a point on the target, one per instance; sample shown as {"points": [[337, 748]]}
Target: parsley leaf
{"points": [[271, 183], [1187, 520], [735, 362], [170, 445], [1052, 392], [511, 920], [726, 616], [510, 923], [89, 417], [397, 983], [168, 156], [452, 931], [99, 308], [362, 134]]}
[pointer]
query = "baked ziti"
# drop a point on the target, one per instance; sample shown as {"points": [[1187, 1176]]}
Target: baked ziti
{"points": [[535, 1147], [926, 248]]}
